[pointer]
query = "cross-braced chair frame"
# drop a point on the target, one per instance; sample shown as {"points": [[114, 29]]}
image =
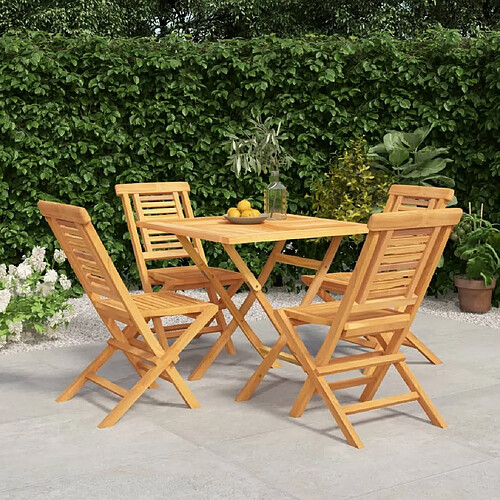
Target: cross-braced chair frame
{"points": [[151, 357], [390, 279], [170, 200], [402, 198]]}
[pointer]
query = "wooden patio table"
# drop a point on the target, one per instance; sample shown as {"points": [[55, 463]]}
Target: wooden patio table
{"points": [[219, 230]]}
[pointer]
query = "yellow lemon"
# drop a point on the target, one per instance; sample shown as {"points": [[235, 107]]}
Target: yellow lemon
{"points": [[244, 205], [247, 213], [233, 212], [256, 213]]}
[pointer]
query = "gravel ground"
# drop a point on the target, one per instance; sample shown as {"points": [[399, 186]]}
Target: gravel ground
{"points": [[87, 328]]}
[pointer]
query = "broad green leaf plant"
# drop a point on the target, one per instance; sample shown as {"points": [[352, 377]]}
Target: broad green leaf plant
{"points": [[478, 245], [33, 297], [401, 154], [259, 150]]}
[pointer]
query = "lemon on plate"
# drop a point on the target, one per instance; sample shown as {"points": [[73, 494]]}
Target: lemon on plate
{"points": [[233, 212], [247, 213], [244, 205], [256, 213]]}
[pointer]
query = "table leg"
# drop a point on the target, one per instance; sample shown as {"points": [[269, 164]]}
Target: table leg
{"points": [[238, 314], [322, 271]]}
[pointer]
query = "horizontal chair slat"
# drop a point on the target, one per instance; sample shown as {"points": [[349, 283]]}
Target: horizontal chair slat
{"points": [[284, 356], [359, 361], [294, 260], [135, 351], [380, 403], [352, 382], [107, 384]]}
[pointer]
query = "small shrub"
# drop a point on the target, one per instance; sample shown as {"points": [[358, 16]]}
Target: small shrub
{"points": [[33, 297], [351, 190]]}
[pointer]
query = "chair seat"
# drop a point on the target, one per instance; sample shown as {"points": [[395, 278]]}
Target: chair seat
{"points": [[333, 282], [156, 304], [324, 314], [190, 277]]}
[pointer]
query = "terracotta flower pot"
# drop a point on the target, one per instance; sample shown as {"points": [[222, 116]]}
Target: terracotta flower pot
{"points": [[473, 295]]}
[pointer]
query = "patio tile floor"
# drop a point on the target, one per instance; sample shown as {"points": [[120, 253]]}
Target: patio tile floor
{"points": [[252, 450]]}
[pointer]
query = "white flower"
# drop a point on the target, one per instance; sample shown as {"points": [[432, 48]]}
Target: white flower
{"points": [[56, 320], [15, 327], [11, 283], [50, 277], [3, 271], [38, 252], [24, 290], [45, 289], [65, 282], [4, 299], [59, 256], [37, 259], [12, 270], [24, 270]]}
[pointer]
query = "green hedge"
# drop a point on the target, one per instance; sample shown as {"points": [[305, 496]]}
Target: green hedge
{"points": [[78, 115]]}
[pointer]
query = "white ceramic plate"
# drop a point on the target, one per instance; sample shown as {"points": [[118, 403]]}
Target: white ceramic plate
{"points": [[247, 220]]}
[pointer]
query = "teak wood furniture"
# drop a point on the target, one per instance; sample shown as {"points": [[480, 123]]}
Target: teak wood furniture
{"points": [[219, 230], [390, 279], [153, 201], [150, 357], [402, 198]]}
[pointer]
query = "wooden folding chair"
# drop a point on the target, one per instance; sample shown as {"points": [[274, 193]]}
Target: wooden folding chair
{"points": [[390, 279], [170, 200], [151, 357], [402, 198]]}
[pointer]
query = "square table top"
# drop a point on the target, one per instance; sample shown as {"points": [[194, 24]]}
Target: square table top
{"points": [[220, 230]]}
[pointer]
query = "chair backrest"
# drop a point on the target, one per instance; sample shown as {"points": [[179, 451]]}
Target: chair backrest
{"points": [[85, 252], [396, 264], [404, 197], [155, 200]]}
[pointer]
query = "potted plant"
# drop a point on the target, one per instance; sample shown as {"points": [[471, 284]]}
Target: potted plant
{"points": [[478, 245], [259, 151]]}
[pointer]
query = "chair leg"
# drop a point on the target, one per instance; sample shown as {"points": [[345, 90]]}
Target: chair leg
{"points": [[164, 364], [132, 396], [319, 383], [181, 386], [379, 373], [424, 401], [91, 369], [337, 412], [420, 346], [260, 373], [325, 295], [220, 320], [302, 400]]}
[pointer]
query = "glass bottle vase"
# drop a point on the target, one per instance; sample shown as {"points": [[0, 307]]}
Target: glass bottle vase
{"points": [[275, 198]]}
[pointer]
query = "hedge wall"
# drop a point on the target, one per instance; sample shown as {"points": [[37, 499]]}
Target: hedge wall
{"points": [[80, 115]]}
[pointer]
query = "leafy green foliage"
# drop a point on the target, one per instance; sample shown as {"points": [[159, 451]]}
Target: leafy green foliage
{"points": [[79, 17], [478, 245], [259, 150], [351, 190], [219, 19], [400, 155], [79, 115]]}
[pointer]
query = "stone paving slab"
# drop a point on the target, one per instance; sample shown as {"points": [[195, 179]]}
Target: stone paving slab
{"points": [[253, 449]]}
